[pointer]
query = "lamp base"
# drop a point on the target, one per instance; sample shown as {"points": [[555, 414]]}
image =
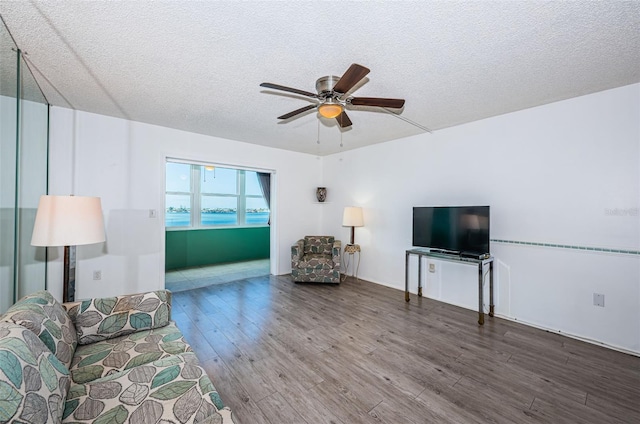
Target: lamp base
{"points": [[69, 276]]}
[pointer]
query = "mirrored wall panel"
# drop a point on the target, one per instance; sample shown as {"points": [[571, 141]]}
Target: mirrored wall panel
{"points": [[8, 154], [24, 121]]}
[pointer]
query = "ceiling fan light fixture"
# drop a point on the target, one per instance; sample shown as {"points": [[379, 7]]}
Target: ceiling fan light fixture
{"points": [[330, 110], [333, 98]]}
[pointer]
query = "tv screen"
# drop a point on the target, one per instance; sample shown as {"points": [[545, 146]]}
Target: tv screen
{"points": [[455, 229]]}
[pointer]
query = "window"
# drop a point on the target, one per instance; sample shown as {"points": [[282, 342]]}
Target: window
{"points": [[223, 197]]}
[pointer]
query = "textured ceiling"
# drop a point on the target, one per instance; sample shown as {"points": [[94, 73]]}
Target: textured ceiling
{"points": [[197, 66]]}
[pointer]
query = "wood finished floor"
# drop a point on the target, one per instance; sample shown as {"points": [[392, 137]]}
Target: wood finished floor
{"points": [[280, 352]]}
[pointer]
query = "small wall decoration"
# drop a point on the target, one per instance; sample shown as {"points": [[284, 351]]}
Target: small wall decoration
{"points": [[321, 194]]}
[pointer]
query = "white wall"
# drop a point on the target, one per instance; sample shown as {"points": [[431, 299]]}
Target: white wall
{"points": [[551, 174], [123, 163]]}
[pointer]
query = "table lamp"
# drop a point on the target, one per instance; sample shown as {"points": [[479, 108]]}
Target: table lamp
{"points": [[352, 217], [68, 221]]}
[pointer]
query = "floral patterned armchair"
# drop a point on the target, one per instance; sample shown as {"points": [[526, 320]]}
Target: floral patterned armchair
{"points": [[316, 259]]}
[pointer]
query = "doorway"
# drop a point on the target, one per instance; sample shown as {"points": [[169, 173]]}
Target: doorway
{"points": [[217, 224]]}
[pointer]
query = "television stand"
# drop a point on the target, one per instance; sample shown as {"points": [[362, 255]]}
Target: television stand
{"points": [[479, 261]]}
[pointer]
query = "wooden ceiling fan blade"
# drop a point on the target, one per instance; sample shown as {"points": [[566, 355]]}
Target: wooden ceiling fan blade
{"points": [[350, 78], [377, 101], [297, 112], [289, 89], [343, 120]]}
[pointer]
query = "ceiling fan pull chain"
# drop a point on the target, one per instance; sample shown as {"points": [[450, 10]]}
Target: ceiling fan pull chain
{"points": [[318, 132]]}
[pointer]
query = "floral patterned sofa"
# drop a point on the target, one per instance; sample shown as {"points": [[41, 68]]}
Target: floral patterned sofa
{"points": [[316, 259], [109, 360]]}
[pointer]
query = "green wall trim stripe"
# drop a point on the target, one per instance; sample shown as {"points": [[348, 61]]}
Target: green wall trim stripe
{"points": [[567, 246], [189, 248]]}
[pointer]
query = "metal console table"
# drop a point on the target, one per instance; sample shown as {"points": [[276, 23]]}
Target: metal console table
{"points": [[481, 263]]}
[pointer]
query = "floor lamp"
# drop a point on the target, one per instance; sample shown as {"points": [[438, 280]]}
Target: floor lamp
{"points": [[68, 221], [352, 217]]}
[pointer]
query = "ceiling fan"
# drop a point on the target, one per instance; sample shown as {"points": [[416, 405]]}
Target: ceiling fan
{"points": [[332, 98]]}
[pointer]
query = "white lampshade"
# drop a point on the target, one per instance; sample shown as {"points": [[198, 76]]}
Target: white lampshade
{"points": [[352, 217], [68, 221]]}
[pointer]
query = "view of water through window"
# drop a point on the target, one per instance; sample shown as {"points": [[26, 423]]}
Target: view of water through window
{"points": [[182, 219], [216, 193]]}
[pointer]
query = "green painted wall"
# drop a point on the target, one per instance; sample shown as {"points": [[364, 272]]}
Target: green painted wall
{"points": [[187, 248]]}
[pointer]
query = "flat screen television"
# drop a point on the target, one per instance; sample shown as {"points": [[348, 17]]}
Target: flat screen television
{"points": [[452, 229]]}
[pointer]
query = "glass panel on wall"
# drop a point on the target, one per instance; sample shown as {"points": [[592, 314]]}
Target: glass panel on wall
{"points": [[24, 125], [32, 175], [8, 133]]}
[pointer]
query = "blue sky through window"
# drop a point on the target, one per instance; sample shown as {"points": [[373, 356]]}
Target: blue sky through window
{"points": [[220, 196]]}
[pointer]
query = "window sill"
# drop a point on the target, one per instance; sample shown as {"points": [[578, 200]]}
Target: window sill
{"points": [[228, 227]]}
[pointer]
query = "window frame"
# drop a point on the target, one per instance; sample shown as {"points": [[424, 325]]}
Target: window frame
{"points": [[196, 196]]}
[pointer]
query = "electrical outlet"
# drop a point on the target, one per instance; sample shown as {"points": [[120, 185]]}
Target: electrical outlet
{"points": [[598, 299], [432, 267], [97, 275]]}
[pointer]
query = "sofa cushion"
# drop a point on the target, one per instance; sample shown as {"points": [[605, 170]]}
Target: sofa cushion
{"points": [[41, 313], [121, 353], [106, 318], [175, 390], [33, 382]]}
